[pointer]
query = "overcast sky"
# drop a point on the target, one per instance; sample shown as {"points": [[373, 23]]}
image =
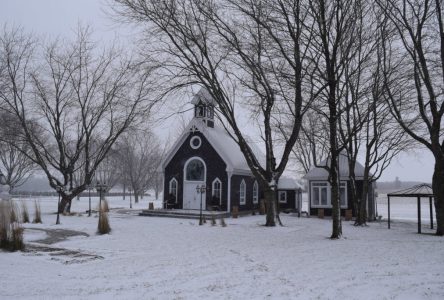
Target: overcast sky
{"points": [[52, 18]]}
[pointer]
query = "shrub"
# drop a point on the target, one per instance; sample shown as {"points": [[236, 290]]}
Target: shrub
{"points": [[11, 231], [37, 213], [25, 214]]}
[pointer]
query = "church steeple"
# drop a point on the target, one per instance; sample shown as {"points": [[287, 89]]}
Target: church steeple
{"points": [[204, 107]]}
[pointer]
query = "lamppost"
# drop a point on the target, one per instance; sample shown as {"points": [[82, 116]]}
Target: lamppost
{"points": [[131, 201], [59, 190], [89, 198], [201, 190]]}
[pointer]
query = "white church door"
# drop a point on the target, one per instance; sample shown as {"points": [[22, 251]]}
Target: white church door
{"points": [[194, 176]]}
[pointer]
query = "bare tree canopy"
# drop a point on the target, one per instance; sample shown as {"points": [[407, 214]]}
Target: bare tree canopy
{"points": [[139, 156], [72, 102], [15, 164]]}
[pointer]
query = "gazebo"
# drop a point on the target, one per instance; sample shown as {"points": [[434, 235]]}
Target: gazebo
{"points": [[418, 191]]}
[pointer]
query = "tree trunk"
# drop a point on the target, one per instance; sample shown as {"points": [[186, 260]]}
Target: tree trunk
{"points": [[136, 197], [361, 216], [66, 199], [438, 191], [336, 207], [270, 200], [68, 207], [124, 191]]}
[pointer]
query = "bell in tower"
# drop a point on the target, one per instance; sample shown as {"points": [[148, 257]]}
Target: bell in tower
{"points": [[204, 107]]}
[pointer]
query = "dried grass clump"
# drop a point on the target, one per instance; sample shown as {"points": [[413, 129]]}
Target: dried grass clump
{"points": [[11, 231], [103, 227], [25, 213], [37, 213], [16, 242], [13, 212], [105, 206]]}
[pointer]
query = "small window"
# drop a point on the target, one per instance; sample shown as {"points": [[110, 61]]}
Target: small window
{"points": [[173, 189], [200, 111], [195, 142], [242, 196], [282, 197], [255, 193], [210, 112], [217, 191]]}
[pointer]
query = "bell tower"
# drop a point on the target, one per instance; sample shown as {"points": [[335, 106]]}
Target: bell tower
{"points": [[204, 107]]}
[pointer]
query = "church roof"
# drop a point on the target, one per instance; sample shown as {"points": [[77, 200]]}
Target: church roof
{"points": [[222, 143], [204, 96], [322, 174]]}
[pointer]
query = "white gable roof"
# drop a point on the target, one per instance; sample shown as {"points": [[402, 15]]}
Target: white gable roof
{"points": [[286, 183], [321, 173], [222, 143]]}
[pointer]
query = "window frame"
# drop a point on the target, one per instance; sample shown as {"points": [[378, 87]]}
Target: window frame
{"points": [[173, 180], [279, 196], [318, 184], [217, 180], [255, 193], [186, 166], [195, 138], [243, 192]]}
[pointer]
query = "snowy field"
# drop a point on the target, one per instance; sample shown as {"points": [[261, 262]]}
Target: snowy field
{"points": [[162, 258]]}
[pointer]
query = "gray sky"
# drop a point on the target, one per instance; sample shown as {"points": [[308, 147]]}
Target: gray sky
{"points": [[52, 18]]}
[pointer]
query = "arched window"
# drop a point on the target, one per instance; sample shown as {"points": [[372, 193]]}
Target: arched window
{"points": [[217, 191], [255, 193], [242, 193], [173, 189], [195, 170]]}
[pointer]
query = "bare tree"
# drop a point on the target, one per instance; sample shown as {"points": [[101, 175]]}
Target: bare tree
{"points": [[335, 33], [414, 79], [140, 155], [69, 99], [14, 163], [245, 53]]}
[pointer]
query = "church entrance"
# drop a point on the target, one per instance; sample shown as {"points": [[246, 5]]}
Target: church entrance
{"points": [[194, 176]]}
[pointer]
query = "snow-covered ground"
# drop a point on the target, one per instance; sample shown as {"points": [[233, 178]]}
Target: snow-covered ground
{"points": [[162, 258]]}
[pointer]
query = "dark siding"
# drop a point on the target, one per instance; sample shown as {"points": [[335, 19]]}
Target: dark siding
{"points": [[235, 188], [216, 168], [291, 203]]}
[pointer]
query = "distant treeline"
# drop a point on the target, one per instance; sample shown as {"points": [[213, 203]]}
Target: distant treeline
{"points": [[54, 194]]}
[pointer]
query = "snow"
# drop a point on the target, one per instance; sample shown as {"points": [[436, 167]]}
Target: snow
{"points": [[165, 258], [286, 183]]}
